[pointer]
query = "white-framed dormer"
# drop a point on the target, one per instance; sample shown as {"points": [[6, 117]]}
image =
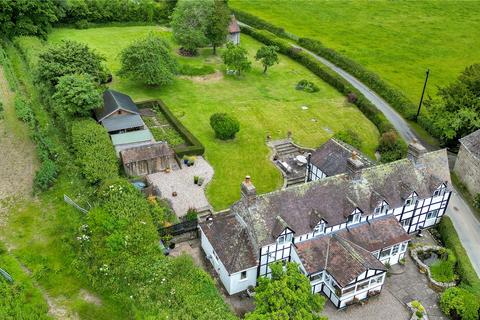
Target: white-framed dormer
{"points": [[319, 228], [285, 237], [440, 190], [411, 199], [381, 209], [355, 216]]}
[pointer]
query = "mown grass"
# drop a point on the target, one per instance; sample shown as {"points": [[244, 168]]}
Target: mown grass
{"points": [[398, 40], [264, 104]]}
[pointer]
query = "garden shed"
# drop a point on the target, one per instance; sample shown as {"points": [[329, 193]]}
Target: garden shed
{"points": [[148, 159], [122, 141], [234, 31]]}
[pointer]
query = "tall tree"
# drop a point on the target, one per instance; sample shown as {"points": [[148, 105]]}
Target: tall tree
{"points": [[190, 21], [76, 95], [27, 17], [268, 56], [455, 112], [287, 295], [69, 57], [148, 60], [217, 31], [235, 58]]}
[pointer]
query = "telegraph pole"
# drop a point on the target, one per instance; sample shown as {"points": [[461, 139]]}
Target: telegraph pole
{"points": [[423, 92]]}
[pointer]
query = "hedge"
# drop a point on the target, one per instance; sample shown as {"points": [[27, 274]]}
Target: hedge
{"points": [[449, 237], [393, 96], [194, 146]]}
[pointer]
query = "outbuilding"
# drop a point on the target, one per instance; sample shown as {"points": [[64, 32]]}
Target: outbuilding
{"points": [[234, 31], [148, 159]]}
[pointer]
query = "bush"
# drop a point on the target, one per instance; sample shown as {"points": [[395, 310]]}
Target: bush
{"points": [[450, 239], [460, 304], [444, 269], [82, 24], [45, 176], [189, 70], [224, 125], [94, 151], [391, 148], [350, 137], [476, 201], [24, 112], [192, 214], [307, 86]]}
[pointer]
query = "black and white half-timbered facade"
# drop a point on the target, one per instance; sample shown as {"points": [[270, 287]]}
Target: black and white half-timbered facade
{"points": [[341, 230]]}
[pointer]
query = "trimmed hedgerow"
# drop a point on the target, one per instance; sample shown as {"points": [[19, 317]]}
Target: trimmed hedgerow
{"points": [[94, 151]]}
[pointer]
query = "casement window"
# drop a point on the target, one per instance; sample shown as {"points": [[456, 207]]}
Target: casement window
{"points": [[410, 201], [284, 239], [432, 214], [406, 222], [440, 191], [317, 277], [348, 290], [319, 228], [376, 280], [327, 278], [395, 249], [403, 247], [354, 218], [382, 209], [385, 253], [243, 275], [363, 285]]}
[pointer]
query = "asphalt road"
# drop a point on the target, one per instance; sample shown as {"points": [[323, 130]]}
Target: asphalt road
{"points": [[463, 218]]}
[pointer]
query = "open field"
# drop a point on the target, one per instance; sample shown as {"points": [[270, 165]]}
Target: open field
{"points": [[398, 40], [264, 104]]}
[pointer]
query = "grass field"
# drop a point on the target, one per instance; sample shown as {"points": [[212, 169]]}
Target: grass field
{"points": [[398, 40], [264, 104]]}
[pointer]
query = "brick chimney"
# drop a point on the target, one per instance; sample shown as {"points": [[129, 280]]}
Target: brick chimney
{"points": [[415, 150], [248, 191], [354, 166]]}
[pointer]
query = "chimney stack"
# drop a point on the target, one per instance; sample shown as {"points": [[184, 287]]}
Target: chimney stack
{"points": [[354, 166], [248, 191], [415, 150]]}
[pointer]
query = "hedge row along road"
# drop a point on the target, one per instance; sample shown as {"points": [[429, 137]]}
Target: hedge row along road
{"points": [[463, 218]]}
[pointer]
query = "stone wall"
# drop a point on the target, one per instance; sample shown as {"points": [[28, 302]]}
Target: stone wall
{"points": [[467, 168]]}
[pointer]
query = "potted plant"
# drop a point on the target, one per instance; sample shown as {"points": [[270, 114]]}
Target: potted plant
{"points": [[200, 180], [195, 179]]}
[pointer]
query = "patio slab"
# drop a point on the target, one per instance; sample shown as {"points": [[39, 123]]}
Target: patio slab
{"points": [[189, 195]]}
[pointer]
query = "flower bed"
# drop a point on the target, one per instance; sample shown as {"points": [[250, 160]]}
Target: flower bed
{"points": [[414, 253]]}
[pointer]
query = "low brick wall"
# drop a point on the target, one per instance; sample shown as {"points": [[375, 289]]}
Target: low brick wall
{"points": [[440, 286]]}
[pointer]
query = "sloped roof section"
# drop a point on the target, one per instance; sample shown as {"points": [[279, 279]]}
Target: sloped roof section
{"points": [[233, 27], [472, 143], [336, 197], [231, 242], [343, 259], [331, 157], [146, 152], [123, 122], [114, 101], [131, 137]]}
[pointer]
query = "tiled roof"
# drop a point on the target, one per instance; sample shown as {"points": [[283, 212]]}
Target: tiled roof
{"points": [[334, 198], [472, 143], [146, 152], [113, 101], [231, 242], [331, 157], [343, 259], [233, 26], [376, 234]]}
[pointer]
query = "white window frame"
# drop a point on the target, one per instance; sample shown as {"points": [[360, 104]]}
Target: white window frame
{"points": [[385, 250], [403, 247], [376, 280], [434, 212], [395, 250], [243, 275], [356, 217], [319, 228], [317, 280], [405, 224]]}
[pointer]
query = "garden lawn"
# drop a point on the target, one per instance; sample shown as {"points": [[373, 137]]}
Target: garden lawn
{"points": [[264, 104], [398, 40]]}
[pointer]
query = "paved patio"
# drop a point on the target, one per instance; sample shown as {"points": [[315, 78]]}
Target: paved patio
{"points": [[188, 194]]}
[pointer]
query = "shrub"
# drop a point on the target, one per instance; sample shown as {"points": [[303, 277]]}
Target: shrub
{"points": [[460, 304], [391, 148], [24, 112], [192, 214], [350, 137], [82, 24], [306, 86], [189, 70], [476, 201], [224, 125], [450, 239], [45, 176], [444, 269], [94, 151]]}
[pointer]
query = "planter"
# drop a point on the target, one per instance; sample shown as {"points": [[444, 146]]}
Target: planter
{"points": [[418, 311]]}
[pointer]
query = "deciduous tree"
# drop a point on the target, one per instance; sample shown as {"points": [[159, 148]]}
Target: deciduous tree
{"points": [[190, 21], [287, 295], [235, 58], [217, 31], [148, 60], [268, 56]]}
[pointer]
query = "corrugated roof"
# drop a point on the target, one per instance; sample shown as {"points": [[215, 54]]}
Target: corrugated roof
{"points": [[123, 122], [131, 137], [114, 101]]}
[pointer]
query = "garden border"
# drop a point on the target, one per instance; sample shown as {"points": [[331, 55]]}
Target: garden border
{"points": [[195, 147]]}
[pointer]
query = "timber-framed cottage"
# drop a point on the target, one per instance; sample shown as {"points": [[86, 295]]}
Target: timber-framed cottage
{"points": [[342, 230]]}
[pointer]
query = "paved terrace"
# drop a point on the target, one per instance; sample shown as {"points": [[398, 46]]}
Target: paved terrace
{"points": [[188, 194]]}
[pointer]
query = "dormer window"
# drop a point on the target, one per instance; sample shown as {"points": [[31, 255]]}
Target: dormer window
{"points": [[440, 191], [411, 200], [319, 228], [286, 238], [381, 209], [354, 218]]}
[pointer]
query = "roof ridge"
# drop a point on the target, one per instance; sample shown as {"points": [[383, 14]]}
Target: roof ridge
{"points": [[347, 245]]}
